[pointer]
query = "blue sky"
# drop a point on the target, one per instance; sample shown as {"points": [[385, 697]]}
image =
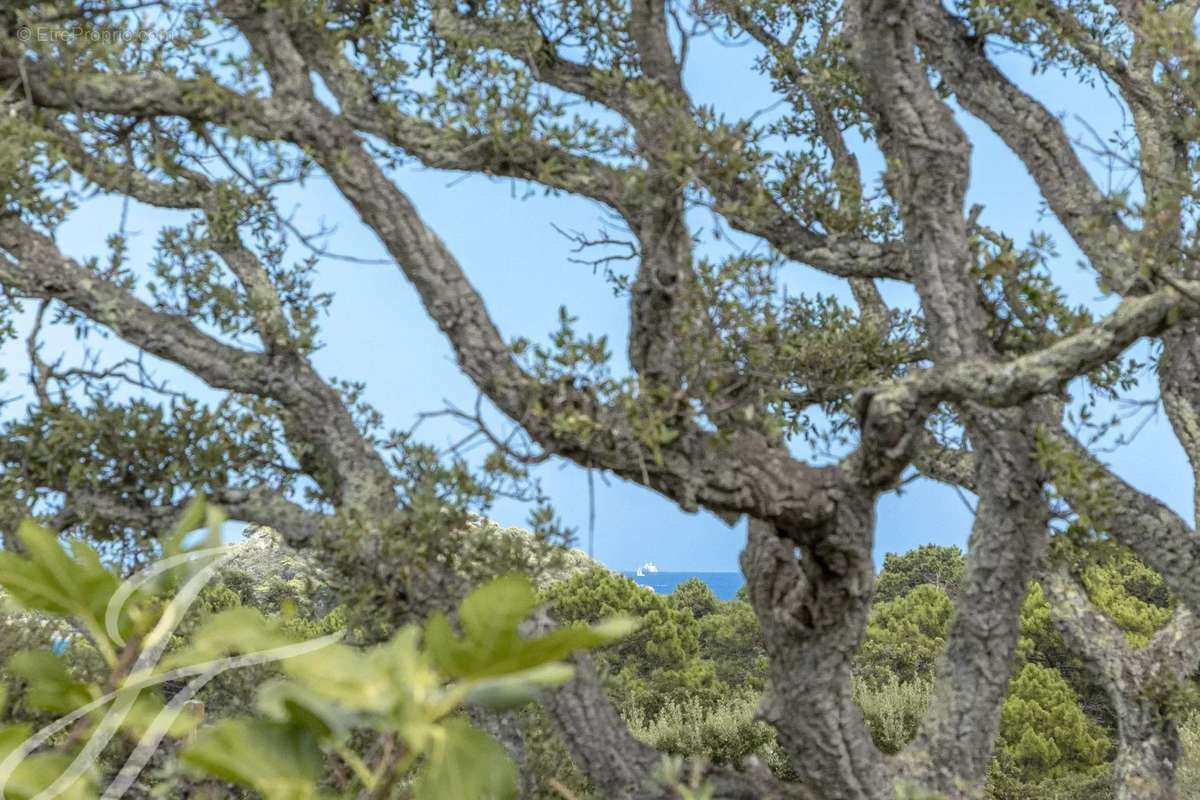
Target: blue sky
{"points": [[377, 331]]}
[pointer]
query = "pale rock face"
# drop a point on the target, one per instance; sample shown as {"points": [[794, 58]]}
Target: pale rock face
{"points": [[518, 547], [266, 560], [265, 556]]}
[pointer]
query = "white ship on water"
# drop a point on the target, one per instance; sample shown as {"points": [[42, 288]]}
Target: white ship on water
{"points": [[646, 569]]}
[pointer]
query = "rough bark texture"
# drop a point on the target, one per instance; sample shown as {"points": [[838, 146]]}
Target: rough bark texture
{"points": [[1139, 684], [813, 610], [1179, 377]]}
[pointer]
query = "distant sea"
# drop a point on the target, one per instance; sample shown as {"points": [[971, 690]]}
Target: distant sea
{"points": [[723, 584]]}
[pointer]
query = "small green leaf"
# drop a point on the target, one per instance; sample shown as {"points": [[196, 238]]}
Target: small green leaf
{"points": [[48, 578], [286, 701], [214, 518], [490, 612], [277, 760], [444, 647], [39, 770], [145, 711], [465, 764], [50, 685], [386, 679], [193, 517], [236, 630], [518, 689], [491, 644]]}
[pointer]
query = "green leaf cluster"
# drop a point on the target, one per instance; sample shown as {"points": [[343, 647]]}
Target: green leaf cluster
{"points": [[406, 692], [384, 715], [1044, 733], [932, 564], [659, 663], [905, 636]]}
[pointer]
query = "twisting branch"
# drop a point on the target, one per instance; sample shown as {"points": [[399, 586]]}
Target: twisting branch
{"points": [[1034, 134], [742, 198], [927, 176], [1155, 533], [261, 506], [34, 266], [479, 427], [1139, 683]]}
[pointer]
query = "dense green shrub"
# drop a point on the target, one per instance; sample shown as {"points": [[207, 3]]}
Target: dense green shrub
{"points": [[668, 637], [1044, 734], [658, 664], [727, 733], [724, 734], [929, 564], [731, 638], [1131, 593], [893, 709], [1073, 786], [1049, 746], [694, 595], [905, 636]]}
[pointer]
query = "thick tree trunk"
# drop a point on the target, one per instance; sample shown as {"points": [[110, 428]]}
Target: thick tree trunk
{"points": [[1179, 377], [927, 175], [1148, 751], [598, 739], [1008, 536], [1141, 684], [811, 591]]}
